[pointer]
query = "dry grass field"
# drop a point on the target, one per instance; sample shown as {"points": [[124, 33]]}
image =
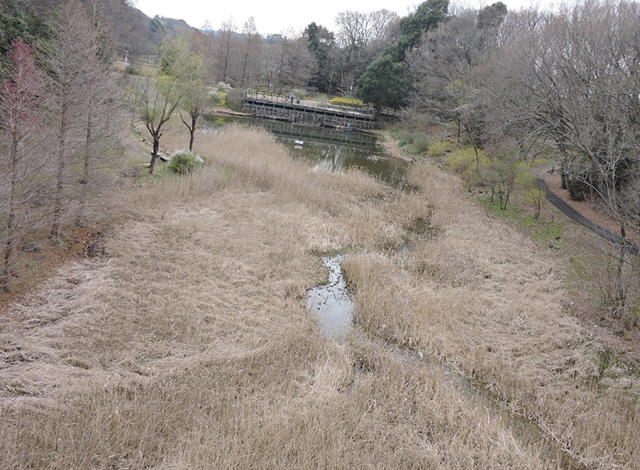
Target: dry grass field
{"points": [[188, 345]]}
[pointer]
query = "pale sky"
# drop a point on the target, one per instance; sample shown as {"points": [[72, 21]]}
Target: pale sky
{"points": [[276, 16]]}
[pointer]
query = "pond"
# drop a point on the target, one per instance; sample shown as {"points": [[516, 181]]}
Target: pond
{"points": [[325, 148]]}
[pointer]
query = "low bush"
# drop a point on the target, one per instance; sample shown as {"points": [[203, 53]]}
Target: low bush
{"points": [[132, 70], [298, 93], [184, 162], [464, 161], [217, 98]]}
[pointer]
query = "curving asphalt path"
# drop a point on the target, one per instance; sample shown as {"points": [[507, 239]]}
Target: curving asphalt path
{"points": [[574, 215]]}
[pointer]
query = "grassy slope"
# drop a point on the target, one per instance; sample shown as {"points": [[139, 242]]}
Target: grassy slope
{"points": [[189, 345]]}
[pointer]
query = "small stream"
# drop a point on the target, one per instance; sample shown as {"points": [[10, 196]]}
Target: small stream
{"points": [[334, 308]]}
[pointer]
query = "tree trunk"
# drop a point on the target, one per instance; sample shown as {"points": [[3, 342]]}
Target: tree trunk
{"points": [[5, 278], [537, 200], [84, 181], [154, 153], [57, 201], [192, 127], [192, 131], [620, 290], [244, 67], [475, 149], [563, 170]]}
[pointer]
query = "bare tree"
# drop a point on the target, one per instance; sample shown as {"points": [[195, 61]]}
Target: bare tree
{"points": [[357, 30], [20, 98], [299, 62], [251, 53], [100, 105], [444, 70], [571, 80], [226, 49], [276, 55], [202, 43], [66, 62], [362, 36]]}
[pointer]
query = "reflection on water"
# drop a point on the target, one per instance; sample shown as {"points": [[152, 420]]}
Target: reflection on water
{"points": [[327, 149]]}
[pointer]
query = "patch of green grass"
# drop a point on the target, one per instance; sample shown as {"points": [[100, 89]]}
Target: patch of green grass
{"points": [[440, 148], [546, 233], [411, 142]]}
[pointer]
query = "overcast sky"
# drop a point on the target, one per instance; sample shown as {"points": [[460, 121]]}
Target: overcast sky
{"points": [[275, 16]]}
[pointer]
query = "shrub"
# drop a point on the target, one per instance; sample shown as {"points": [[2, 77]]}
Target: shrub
{"points": [[235, 99], [463, 163], [184, 162], [405, 136], [438, 149], [346, 101], [132, 70], [216, 98], [422, 142], [298, 94], [462, 160]]}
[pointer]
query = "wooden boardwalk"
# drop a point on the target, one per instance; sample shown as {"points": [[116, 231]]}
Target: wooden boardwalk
{"points": [[285, 108]]}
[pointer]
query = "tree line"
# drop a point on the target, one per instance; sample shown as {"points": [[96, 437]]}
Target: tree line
{"points": [[564, 83], [58, 126], [315, 58]]}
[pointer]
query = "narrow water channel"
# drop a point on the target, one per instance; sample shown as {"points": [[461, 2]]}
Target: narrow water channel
{"points": [[333, 306]]}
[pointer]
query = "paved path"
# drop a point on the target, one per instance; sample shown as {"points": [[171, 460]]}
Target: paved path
{"points": [[574, 215]]}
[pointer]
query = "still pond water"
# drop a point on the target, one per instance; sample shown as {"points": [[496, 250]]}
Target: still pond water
{"points": [[329, 149]]}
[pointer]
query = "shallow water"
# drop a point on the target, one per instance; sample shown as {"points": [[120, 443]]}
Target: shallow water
{"points": [[331, 302]]}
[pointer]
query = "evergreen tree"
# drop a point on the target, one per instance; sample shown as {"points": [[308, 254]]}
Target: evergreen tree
{"points": [[384, 84]]}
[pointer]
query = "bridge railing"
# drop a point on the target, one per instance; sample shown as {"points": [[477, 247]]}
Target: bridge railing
{"points": [[325, 105]]}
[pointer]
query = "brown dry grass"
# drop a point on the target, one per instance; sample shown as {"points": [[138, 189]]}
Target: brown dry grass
{"points": [[488, 302], [189, 345]]}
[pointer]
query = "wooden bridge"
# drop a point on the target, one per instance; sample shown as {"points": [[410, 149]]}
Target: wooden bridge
{"points": [[286, 108]]}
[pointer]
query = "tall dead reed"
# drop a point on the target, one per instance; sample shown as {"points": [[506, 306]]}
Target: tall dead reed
{"points": [[489, 302], [189, 346]]}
